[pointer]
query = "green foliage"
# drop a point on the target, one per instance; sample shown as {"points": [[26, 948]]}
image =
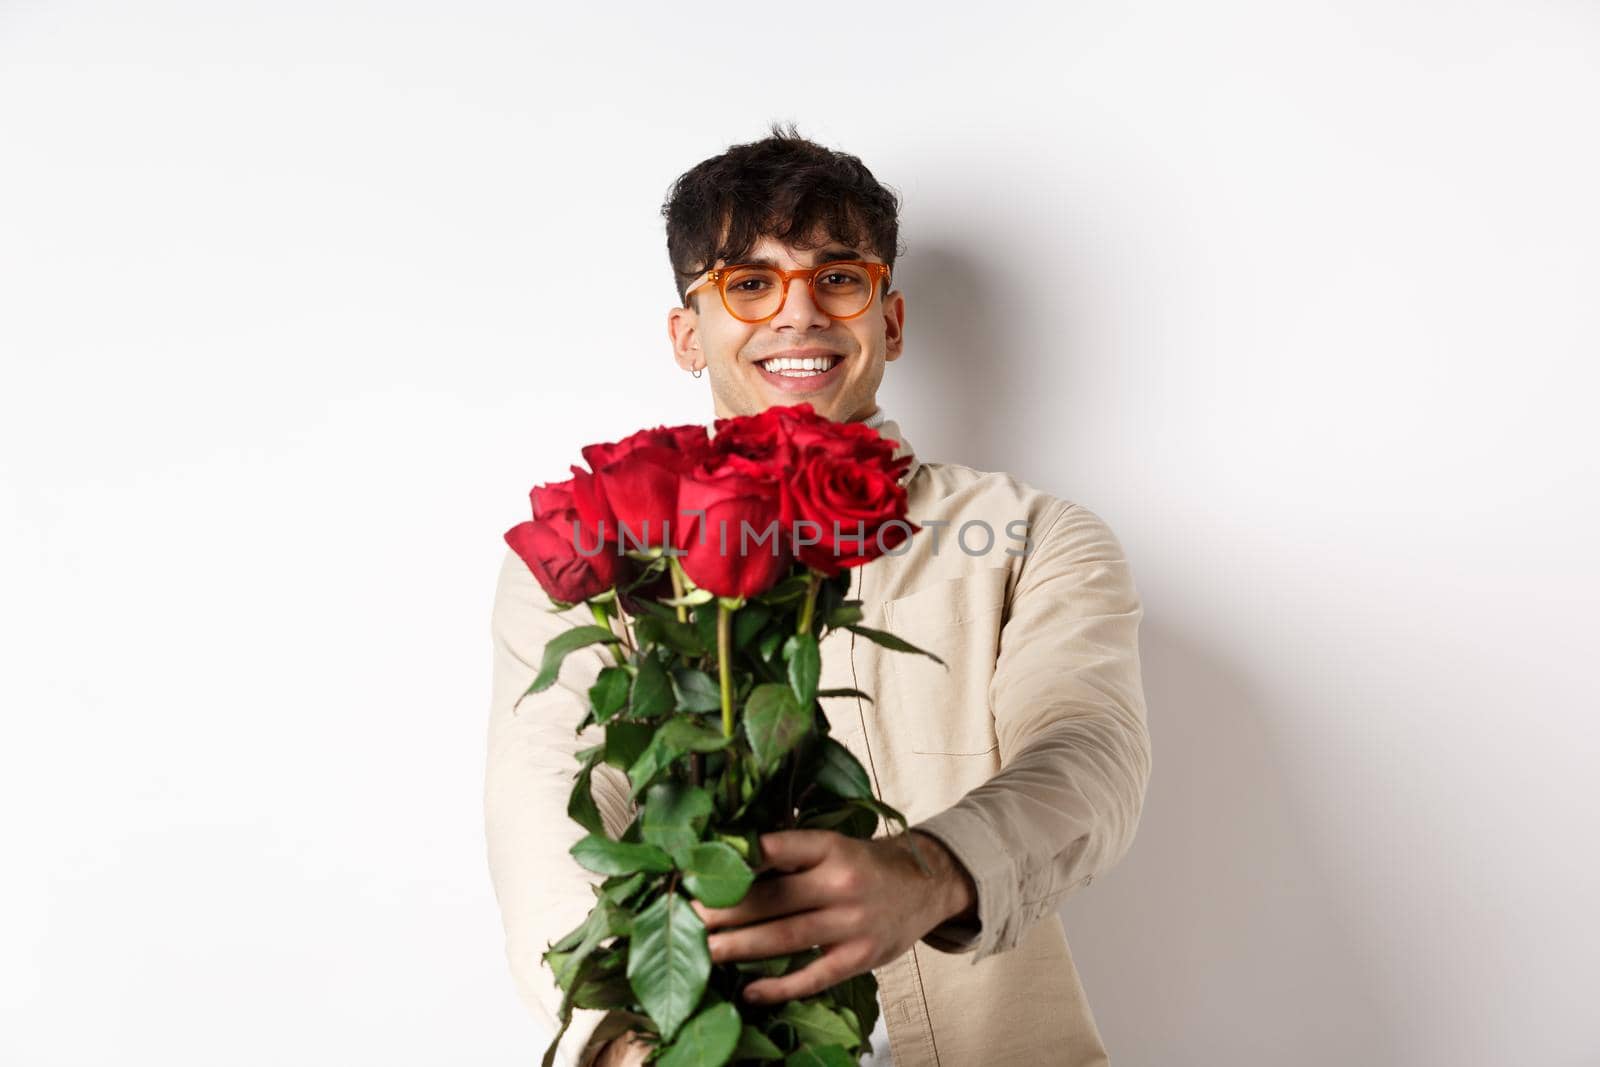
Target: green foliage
{"points": [[652, 690], [558, 648], [774, 721], [668, 962], [674, 815], [816, 1023], [703, 796], [716, 874], [602, 855], [805, 666], [890, 641], [695, 690], [707, 1041]]}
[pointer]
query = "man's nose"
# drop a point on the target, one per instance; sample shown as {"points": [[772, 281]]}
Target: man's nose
{"points": [[799, 310]]}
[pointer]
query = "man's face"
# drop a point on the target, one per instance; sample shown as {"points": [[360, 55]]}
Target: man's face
{"points": [[732, 351]]}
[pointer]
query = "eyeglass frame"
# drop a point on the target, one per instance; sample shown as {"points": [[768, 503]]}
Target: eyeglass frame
{"points": [[720, 275]]}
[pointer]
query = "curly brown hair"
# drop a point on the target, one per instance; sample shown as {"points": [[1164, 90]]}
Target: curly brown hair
{"points": [[783, 186]]}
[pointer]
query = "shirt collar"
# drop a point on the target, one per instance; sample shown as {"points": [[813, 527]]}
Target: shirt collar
{"points": [[890, 430]]}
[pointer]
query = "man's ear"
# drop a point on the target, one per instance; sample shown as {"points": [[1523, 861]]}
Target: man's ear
{"points": [[683, 330], [894, 325]]}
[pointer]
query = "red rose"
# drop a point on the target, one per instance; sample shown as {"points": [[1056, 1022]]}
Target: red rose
{"points": [[736, 547], [842, 513], [638, 481], [759, 438], [550, 498], [689, 439], [847, 440], [768, 437], [571, 567]]}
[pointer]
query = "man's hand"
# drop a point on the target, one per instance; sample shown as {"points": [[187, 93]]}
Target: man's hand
{"points": [[865, 903]]}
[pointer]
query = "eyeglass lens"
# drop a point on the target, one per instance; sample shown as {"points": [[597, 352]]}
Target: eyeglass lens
{"points": [[841, 290]]}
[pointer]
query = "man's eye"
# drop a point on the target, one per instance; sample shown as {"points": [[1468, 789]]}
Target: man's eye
{"points": [[747, 285], [839, 280]]}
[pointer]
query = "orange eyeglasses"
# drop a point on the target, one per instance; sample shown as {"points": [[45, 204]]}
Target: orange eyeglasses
{"points": [[841, 290]]}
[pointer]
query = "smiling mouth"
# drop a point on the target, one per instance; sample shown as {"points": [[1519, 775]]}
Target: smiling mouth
{"points": [[799, 369]]}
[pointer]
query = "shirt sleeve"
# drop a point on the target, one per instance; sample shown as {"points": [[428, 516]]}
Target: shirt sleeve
{"points": [[1069, 710], [542, 891]]}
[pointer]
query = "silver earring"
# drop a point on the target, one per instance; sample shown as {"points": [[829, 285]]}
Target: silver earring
{"points": [[697, 371]]}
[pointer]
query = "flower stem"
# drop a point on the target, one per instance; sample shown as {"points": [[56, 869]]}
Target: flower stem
{"points": [[813, 580], [725, 665], [677, 587], [601, 619]]}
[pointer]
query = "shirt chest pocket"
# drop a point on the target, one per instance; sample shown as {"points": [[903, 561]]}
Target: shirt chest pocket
{"points": [[940, 711]]}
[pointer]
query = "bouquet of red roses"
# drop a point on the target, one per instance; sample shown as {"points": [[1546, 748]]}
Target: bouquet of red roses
{"points": [[712, 566]]}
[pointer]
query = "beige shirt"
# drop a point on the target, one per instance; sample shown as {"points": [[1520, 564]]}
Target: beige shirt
{"points": [[1028, 758]]}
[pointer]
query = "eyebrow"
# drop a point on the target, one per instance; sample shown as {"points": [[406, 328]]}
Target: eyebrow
{"points": [[832, 255]]}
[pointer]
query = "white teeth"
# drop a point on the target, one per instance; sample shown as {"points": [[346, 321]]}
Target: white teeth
{"points": [[813, 364]]}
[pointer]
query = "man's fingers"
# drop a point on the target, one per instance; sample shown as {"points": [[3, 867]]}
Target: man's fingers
{"points": [[793, 850], [768, 899], [794, 933], [838, 962]]}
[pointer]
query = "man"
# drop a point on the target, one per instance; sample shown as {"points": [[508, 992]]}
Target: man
{"points": [[1021, 768]]}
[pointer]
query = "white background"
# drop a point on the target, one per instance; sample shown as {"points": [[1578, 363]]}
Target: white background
{"points": [[297, 300]]}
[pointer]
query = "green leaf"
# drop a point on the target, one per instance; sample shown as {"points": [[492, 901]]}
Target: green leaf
{"points": [[805, 665], [821, 693], [655, 758], [745, 844], [668, 962], [654, 610], [707, 1041], [769, 643], [602, 855], [754, 1045], [605, 992], [771, 967], [691, 598], [673, 816], [609, 692], [686, 734], [859, 996], [889, 640], [748, 622], [625, 741], [696, 690], [603, 921], [680, 637], [716, 875], [855, 822], [562, 645], [652, 690], [793, 587], [841, 773], [581, 807], [845, 614], [619, 892], [820, 1056], [774, 721], [571, 938], [705, 625], [817, 1024]]}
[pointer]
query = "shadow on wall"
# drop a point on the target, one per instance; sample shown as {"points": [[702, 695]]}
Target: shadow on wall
{"points": [[1219, 939], [958, 384]]}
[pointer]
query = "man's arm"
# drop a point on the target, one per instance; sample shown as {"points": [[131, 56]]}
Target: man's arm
{"points": [[1069, 711], [542, 891]]}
